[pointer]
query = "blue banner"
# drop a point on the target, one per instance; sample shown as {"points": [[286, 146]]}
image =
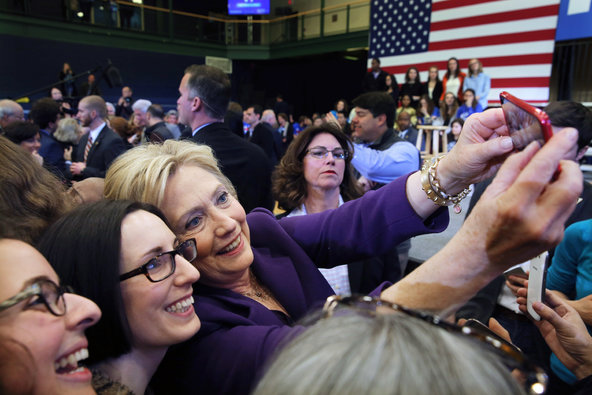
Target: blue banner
{"points": [[575, 20]]}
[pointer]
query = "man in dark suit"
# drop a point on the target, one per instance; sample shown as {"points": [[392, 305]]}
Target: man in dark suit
{"points": [[260, 133], [204, 97], [375, 79], [97, 148], [286, 130], [90, 87], [406, 130]]}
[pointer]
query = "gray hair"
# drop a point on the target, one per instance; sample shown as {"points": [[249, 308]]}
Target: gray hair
{"points": [[67, 131], [142, 105], [386, 354], [8, 107], [110, 106]]}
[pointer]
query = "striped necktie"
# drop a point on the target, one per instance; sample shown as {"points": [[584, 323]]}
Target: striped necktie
{"points": [[88, 145]]}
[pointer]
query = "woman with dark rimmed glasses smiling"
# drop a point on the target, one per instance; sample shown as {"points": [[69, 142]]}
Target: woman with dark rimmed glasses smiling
{"points": [[41, 326], [259, 275], [123, 256]]}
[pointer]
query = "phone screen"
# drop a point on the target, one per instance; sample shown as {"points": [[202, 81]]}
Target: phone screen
{"points": [[525, 123]]}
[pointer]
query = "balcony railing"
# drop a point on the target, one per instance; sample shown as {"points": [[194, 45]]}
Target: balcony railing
{"points": [[214, 28]]}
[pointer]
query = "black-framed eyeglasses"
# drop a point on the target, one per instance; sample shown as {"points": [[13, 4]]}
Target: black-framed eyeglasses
{"points": [[322, 152], [163, 265], [535, 378], [46, 292]]}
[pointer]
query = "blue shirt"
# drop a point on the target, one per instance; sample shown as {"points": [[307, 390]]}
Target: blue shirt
{"points": [[465, 111], [385, 166], [481, 84]]}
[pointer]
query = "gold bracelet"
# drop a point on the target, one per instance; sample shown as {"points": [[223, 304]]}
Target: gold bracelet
{"points": [[431, 186]]}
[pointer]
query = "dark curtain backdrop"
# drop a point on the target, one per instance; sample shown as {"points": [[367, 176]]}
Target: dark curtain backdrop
{"points": [[310, 84]]}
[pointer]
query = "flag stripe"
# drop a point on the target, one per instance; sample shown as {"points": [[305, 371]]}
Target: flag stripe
{"points": [[519, 60], [523, 82], [537, 35], [491, 8], [492, 18], [531, 95], [445, 5], [530, 48], [544, 23]]}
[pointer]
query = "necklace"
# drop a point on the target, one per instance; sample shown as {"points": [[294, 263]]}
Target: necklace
{"points": [[257, 290]]}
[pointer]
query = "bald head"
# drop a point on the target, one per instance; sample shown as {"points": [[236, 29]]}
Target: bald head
{"points": [[403, 120], [10, 111]]}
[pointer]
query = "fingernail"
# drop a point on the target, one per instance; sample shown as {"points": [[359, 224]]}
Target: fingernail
{"points": [[506, 143]]}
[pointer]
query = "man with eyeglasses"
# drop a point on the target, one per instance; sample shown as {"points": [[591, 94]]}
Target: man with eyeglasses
{"points": [[204, 94]]}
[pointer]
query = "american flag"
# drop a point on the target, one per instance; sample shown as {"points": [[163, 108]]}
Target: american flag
{"points": [[514, 39]]}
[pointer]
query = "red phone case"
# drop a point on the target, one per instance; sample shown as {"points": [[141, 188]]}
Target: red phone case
{"points": [[539, 115]]}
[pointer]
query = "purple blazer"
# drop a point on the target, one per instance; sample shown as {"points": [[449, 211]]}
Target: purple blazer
{"points": [[238, 334]]}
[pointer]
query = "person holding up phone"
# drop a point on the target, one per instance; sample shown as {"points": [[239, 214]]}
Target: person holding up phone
{"points": [[497, 299], [569, 279], [566, 334]]}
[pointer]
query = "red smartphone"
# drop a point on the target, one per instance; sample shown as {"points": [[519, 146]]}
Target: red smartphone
{"points": [[525, 122]]}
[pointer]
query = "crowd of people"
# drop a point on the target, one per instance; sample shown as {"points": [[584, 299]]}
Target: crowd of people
{"points": [[186, 281]]}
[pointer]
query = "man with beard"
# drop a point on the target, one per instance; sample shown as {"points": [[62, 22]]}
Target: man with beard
{"points": [[97, 148]]}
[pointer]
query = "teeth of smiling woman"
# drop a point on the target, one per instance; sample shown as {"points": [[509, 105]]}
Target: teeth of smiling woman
{"points": [[180, 307], [231, 247], [69, 363]]}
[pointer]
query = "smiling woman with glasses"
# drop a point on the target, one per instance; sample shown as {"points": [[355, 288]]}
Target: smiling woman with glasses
{"points": [[260, 275], [123, 256], [42, 325]]}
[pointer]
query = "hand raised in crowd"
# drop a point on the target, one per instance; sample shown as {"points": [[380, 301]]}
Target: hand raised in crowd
{"points": [[482, 147], [565, 333], [525, 208], [520, 215]]}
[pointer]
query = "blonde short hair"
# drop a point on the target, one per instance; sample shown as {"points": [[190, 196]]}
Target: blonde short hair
{"points": [[141, 174], [67, 131]]}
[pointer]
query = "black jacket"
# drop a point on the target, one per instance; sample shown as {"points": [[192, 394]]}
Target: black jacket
{"points": [[104, 150]]}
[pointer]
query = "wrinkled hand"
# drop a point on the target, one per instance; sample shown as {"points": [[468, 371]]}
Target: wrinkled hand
{"points": [[565, 333], [77, 168], [522, 213], [482, 147]]}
